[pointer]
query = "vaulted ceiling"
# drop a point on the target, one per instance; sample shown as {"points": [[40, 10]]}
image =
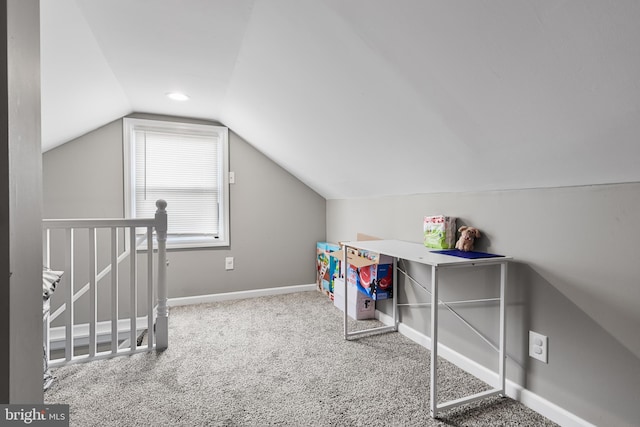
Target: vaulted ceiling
{"points": [[364, 98]]}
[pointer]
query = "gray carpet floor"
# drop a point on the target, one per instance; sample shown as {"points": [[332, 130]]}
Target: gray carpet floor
{"points": [[278, 360]]}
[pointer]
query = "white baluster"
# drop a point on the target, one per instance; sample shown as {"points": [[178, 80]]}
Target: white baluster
{"points": [[114, 289], [133, 288], [69, 277], [150, 299], [93, 293], [162, 322]]}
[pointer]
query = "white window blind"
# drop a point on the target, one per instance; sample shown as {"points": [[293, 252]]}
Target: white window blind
{"points": [[181, 169], [184, 165]]}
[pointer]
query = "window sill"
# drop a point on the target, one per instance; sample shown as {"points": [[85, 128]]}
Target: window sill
{"points": [[186, 242]]}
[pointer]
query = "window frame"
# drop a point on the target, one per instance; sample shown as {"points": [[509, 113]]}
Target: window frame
{"points": [[129, 126]]}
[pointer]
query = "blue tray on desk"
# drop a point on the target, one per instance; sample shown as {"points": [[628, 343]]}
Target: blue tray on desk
{"points": [[468, 254]]}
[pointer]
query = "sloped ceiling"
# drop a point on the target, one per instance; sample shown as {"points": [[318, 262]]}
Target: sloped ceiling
{"points": [[365, 98]]}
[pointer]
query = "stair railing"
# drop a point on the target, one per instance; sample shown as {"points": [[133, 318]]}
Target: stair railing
{"points": [[119, 331]]}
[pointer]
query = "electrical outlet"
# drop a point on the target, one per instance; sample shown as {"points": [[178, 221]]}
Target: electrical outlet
{"points": [[228, 263], [538, 346]]}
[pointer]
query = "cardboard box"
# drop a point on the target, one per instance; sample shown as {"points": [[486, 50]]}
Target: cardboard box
{"points": [[371, 273], [327, 267], [359, 306]]}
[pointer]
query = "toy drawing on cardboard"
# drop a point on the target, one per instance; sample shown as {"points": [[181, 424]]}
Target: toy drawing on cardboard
{"points": [[468, 235]]}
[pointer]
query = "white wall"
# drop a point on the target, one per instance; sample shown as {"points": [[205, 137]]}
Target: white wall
{"points": [[574, 279]]}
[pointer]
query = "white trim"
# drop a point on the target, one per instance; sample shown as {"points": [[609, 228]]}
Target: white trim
{"points": [[515, 391], [129, 125], [201, 299], [551, 410]]}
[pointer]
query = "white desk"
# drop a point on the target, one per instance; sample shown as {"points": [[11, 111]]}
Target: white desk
{"points": [[417, 252]]}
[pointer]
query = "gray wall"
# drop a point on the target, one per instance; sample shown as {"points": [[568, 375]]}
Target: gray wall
{"points": [[575, 279], [275, 219], [20, 198]]}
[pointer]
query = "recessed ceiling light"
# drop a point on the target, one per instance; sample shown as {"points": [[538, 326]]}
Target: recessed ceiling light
{"points": [[177, 96]]}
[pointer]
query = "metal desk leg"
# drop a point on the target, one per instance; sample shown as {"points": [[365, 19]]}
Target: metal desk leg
{"points": [[380, 329], [503, 327], [395, 294], [500, 390], [344, 269], [434, 341]]}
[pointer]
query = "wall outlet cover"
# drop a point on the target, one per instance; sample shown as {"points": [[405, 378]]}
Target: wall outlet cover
{"points": [[538, 346]]}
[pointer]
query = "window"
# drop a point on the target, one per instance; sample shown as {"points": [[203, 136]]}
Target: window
{"points": [[185, 164]]}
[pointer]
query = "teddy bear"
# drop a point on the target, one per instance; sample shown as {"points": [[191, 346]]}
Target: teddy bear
{"points": [[468, 235]]}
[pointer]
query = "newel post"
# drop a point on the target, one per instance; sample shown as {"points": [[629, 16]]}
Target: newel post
{"points": [[162, 321]]}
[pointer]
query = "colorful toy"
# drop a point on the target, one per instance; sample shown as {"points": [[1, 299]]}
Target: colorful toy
{"points": [[468, 235], [439, 231], [327, 267]]}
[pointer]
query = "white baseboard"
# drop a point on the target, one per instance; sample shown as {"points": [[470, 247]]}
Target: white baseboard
{"points": [[200, 299], [513, 390]]}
